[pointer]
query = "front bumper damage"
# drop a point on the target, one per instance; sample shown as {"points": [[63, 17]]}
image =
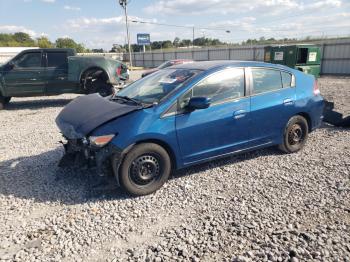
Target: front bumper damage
{"points": [[79, 153]]}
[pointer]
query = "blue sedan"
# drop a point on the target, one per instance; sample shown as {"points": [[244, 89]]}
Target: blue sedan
{"points": [[189, 114]]}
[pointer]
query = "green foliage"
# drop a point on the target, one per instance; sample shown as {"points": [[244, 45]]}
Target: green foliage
{"points": [[44, 42], [167, 44], [264, 41], [70, 43], [176, 42], [17, 39], [21, 39], [185, 42]]}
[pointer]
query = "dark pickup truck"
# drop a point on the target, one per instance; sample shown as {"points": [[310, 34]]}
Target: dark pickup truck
{"points": [[38, 72]]}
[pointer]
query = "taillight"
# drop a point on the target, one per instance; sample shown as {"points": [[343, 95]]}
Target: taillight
{"points": [[316, 89], [119, 71]]}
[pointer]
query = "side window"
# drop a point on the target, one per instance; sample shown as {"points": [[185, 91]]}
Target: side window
{"points": [[29, 60], [225, 85], [265, 80], [286, 79], [57, 60]]}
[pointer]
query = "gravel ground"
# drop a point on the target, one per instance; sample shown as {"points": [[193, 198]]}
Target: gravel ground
{"points": [[257, 206]]}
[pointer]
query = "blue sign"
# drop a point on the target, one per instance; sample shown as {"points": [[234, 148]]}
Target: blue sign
{"points": [[143, 39]]}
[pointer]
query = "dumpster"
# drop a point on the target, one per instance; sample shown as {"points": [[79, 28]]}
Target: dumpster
{"points": [[306, 58]]}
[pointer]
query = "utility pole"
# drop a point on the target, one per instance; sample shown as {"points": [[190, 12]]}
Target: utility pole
{"points": [[124, 4], [193, 37]]}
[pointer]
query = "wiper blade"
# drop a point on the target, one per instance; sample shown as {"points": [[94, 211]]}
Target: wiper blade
{"points": [[126, 98]]}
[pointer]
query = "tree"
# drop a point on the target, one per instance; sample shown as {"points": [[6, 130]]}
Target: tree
{"points": [[70, 43], [117, 49], [167, 44], [44, 42], [185, 42], [97, 50], [176, 42], [22, 38], [156, 45]]}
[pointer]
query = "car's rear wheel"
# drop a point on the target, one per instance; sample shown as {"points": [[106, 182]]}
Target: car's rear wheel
{"points": [[144, 169], [295, 135]]}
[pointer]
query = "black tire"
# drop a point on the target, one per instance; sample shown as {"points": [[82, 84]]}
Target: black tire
{"points": [[97, 83], [295, 135], [4, 101], [7, 100], [145, 169]]}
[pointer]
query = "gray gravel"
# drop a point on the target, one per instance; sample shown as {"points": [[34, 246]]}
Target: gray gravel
{"points": [[254, 207]]}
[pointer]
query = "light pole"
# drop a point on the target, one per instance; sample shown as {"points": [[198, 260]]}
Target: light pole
{"points": [[124, 4]]}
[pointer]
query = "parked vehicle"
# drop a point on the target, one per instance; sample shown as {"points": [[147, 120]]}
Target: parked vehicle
{"points": [[167, 64], [39, 72], [189, 114]]}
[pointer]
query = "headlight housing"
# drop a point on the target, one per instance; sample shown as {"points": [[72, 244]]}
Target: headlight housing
{"points": [[100, 141]]}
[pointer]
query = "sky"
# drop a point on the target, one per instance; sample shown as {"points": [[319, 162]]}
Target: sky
{"points": [[100, 24]]}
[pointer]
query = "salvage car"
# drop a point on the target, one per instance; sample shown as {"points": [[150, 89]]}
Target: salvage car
{"points": [[37, 72], [189, 114], [167, 64]]}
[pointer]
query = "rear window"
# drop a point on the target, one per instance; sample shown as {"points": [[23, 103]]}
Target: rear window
{"points": [[57, 60], [266, 80]]}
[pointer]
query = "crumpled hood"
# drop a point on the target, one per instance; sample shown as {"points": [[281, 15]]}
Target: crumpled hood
{"points": [[86, 113]]}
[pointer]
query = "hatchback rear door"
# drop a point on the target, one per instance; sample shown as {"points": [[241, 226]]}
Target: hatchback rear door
{"points": [[272, 103], [224, 126]]}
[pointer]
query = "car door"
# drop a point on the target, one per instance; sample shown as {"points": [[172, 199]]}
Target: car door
{"points": [[25, 76], [57, 73], [272, 103], [221, 128]]}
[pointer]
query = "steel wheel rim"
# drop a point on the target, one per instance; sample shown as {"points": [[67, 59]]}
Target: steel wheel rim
{"points": [[145, 170], [296, 135]]}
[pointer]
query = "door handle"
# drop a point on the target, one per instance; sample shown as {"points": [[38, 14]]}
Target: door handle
{"points": [[61, 78], [239, 114], [288, 101], [33, 79]]}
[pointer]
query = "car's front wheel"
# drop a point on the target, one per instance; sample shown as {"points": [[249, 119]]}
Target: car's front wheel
{"points": [[144, 169], [295, 135]]}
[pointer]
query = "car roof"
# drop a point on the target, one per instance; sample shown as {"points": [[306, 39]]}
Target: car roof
{"points": [[209, 65]]}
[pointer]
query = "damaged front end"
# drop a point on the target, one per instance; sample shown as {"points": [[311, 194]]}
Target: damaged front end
{"points": [[79, 119], [82, 153]]}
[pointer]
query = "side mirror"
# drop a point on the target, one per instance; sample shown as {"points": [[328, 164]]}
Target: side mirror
{"points": [[196, 103], [10, 65]]}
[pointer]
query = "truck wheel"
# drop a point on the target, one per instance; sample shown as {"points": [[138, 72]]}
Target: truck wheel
{"points": [[96, 81], [102, 88], [4, 101], [295, 135], [145, 169], [7, 100]]}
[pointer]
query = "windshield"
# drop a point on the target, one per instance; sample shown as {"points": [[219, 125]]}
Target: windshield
{"points": [[156, 86]]}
